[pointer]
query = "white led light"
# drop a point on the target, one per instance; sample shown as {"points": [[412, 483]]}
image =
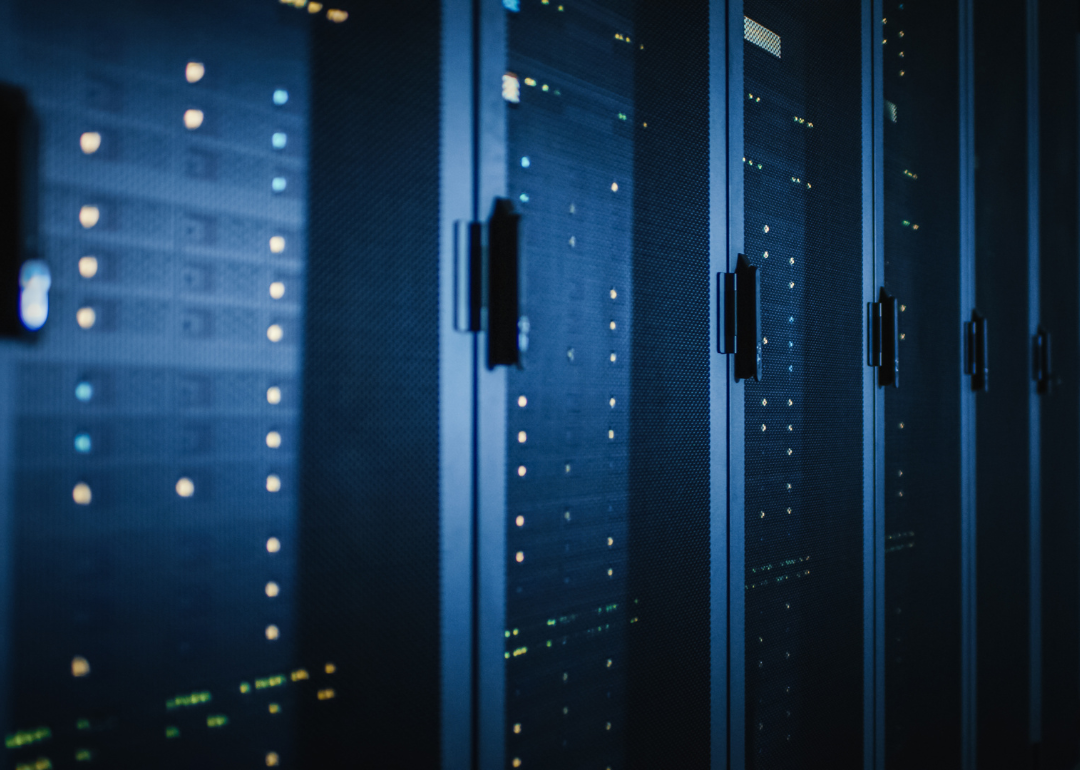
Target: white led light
{"points": [[34, 283], [90, 142]]}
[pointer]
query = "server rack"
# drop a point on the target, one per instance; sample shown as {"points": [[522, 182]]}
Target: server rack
{"points": [[157, 424], [1007, 293], [1058, 379], [216, 581], [376, 513], [805, 215], [600, 518], [927, 264]]}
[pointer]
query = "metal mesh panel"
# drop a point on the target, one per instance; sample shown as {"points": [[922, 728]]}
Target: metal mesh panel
{"points": [[369, 508], [804, 421], [607, 605], [1003, 512], [181, 597], [146, 442], [922, 416], [1060, 452]]}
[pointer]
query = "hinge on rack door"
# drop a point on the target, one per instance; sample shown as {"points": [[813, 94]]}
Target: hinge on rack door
{"points": [[976, 361], [883, 345], [1041, 371], [738, 318], [469, 306]]}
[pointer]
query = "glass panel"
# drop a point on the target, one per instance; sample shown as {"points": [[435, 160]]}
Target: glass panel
{"points": [[804, 419], [1001, 285], [922, 415], [607, 637]]}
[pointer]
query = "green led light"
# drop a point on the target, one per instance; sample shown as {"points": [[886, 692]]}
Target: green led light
{"points": [[26, 737], [194, 699], [217, 720], [172, 732]]}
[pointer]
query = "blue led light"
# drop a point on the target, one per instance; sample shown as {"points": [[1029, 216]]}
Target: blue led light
{"points": [[512, 5], [523, 198], [84, 391], [525, 162], [278, 140], [281, 96], [278, 185], [82, 443]]}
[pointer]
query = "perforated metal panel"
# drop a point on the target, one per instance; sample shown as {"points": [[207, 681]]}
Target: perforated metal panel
{"points": [[1060, 450], [154, 471], [1003, 517], [922, 416], [804, 419], [160, 617], [369, 501], [607, 498]]}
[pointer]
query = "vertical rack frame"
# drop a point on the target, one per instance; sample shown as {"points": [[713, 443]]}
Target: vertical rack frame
{"points": [[720, 518], [968, 476], [873, 396], [456, 356], [1034, 403], [489, 586], [735, 404]]}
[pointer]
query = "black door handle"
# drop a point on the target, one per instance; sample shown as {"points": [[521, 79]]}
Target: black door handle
{"points": [[508, 328], [883, 321], [739, 318]]}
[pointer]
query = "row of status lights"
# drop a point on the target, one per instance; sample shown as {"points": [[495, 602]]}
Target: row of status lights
{"points": [[90, 214], [335, 15], [86, 317], [90, 141]]}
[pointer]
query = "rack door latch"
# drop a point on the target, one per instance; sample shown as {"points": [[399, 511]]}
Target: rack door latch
{"points": [[739, 318], [489, 284], [1041, 369], [976, 361], [883, 348]]}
